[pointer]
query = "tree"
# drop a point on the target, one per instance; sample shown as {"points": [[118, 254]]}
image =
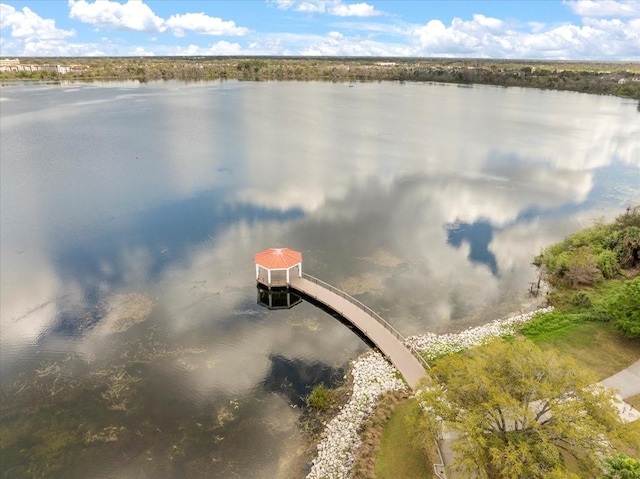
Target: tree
{"points": [[625, 309], [622, 467], [520, 412]]}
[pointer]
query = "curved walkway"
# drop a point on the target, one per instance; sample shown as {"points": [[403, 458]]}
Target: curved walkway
{"points": [[627, 383], [389, 341]]}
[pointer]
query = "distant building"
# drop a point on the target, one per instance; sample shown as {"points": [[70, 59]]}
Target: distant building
{"points": [[9, 62], [56, 68], [14, 65]]}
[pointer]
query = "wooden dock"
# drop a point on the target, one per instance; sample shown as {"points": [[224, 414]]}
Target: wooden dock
{"points": [[386, 338]]}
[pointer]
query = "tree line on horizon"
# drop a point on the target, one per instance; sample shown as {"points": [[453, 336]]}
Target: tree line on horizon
{"points": [[619, 79]]}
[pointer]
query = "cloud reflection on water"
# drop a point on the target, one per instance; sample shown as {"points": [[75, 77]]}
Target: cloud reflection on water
{"points": [[364, 181]]}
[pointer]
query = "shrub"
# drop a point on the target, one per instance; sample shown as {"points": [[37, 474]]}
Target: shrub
{"points": [[581, 300], [625, 309], [628, 247], [607, 262], [622, 467], [594, 253], [582, 268], [321, 397]]}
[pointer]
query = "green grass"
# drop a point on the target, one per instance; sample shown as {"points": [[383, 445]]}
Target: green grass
{"points": [[595, 346], [580, 327], [398, 457]]}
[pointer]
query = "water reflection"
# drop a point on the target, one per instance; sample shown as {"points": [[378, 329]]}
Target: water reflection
{"points": [[479, 236], [275, 299], [130, 215]]}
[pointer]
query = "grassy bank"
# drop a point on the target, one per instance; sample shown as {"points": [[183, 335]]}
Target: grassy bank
{"points": [[399, 456], [583, 330]]}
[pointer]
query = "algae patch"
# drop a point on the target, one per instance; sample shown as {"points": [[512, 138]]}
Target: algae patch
{"points": [[122, 311]]}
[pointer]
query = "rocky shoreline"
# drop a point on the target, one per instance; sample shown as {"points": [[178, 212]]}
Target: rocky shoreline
{"points": [[373, 375]]}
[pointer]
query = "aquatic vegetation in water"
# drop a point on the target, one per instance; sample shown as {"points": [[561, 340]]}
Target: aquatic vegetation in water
{"points": [[123, 311], [66, 415], [106, 434], [119, 386], [364, 283]]}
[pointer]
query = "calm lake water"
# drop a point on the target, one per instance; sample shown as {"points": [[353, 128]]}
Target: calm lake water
{"points": [[132, 342]]}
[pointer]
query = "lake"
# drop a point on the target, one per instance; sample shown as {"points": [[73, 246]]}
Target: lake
{"points": [[133, 344]]}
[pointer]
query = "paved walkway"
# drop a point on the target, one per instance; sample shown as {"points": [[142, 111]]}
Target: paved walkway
{"points": [[387, 342], [627, 384]]}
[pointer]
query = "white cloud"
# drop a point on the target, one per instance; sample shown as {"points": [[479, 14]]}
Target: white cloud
{"points": [[32, 36], [133, 15], [537, 27], [203, 24], [488, 24], [601, 35], [26, 25], [333, 7], [217, 49], [141, 52], [311, 7], [605, 8], [489, 37], [337, 44], [136, 16], [353, 10]]}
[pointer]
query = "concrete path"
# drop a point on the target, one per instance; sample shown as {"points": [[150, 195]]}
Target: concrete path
{"points": [[626, 382]]}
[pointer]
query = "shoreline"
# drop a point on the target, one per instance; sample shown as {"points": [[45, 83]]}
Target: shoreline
{"points": [[372, 376], [620, 79]]}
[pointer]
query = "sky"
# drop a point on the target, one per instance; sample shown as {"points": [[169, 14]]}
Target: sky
{"points": [[521, 29]]}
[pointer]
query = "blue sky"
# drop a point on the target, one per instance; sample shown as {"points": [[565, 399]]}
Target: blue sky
{"points": [[536, 29]]}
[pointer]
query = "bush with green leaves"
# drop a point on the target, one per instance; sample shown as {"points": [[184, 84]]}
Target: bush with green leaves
{"points": [[622, 467], [595, 253], [624, 308]]}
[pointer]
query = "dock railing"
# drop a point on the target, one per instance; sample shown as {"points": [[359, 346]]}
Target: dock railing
{"points": [[371, 313]]}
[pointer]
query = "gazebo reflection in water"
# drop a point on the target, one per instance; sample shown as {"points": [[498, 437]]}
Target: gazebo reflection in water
{"points": [[277, 298], [275, 268]]}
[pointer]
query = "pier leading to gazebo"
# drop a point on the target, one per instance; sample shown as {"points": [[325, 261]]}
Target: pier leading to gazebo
{"points": [[274, 266], [273, 269]]}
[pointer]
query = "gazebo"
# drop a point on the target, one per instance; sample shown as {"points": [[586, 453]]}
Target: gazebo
{"points": [[277, 259]]}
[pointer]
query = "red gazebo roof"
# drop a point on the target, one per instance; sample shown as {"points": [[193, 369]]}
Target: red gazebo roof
{"points": [[278, 258]]}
